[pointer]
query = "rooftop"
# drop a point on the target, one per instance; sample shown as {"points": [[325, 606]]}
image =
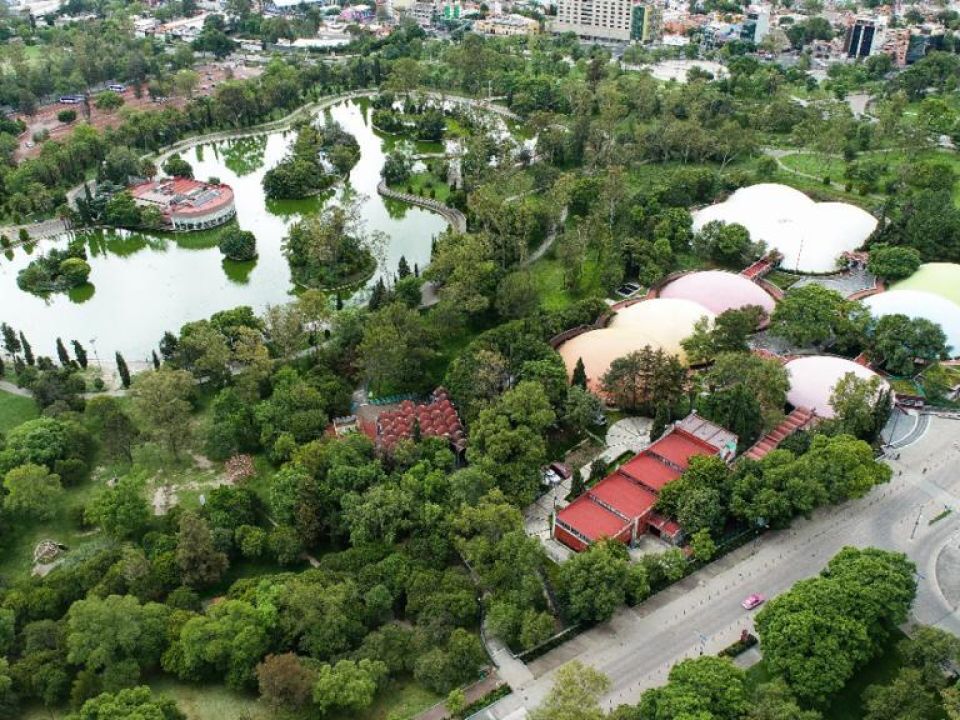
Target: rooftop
{"points": [[183, 196], [437, 418], [590, 519]]}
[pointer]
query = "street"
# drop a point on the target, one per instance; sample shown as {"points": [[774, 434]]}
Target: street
{"points": [[702, 613]]}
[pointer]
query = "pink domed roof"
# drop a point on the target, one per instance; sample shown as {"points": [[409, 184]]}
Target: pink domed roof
{"points": [[719, 291], [812, 380]]}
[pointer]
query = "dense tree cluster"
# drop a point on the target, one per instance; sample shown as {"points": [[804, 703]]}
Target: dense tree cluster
{"points": [[816, 635], [302, 172]]}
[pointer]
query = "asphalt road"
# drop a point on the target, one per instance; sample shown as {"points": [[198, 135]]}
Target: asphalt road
{"points": [[637, 648]]}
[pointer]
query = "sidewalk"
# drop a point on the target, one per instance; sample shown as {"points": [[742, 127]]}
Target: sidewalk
{"points": [[472, 694]]}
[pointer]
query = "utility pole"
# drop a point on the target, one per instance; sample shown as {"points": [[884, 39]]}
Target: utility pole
{"points": [[93, 344]]}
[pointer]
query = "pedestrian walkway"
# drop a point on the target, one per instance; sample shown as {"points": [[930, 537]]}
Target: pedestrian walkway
{"points": [[471, 694]]}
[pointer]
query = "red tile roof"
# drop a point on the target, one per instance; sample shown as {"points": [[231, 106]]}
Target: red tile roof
{"points": [[438, 418], [624, 496], [678, 447], [631, 491], [650, 471], [591, 520]]}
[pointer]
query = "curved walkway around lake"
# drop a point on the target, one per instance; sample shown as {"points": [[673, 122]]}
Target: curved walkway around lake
{"points": [[51, 227], [456, 218]]}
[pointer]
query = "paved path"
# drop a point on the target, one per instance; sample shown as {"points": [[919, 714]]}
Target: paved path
{"points": [[452, 215], [37, 231], [472, 693], [639, 645]]}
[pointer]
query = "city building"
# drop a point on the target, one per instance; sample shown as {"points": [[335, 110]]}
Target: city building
{"points": [[659, 323], [507, 25], [860, 37], [756, 25], [595, 19], [187, 204], [646, 23], [814, 377], [896, 43], [621, 506]]}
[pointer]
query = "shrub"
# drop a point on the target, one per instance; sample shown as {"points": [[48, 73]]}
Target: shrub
{"points": [[67, 116], [237, 244]]}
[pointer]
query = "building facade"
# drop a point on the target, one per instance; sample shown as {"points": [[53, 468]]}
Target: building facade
{"points": [[507, 25], [595, 19], [646, 23], [859, 38]]}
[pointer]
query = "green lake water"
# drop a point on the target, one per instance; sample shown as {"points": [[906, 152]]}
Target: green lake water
{"points": [[143, 284]]}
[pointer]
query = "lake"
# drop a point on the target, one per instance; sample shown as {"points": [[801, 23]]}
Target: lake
{"points": [[143, 284]]}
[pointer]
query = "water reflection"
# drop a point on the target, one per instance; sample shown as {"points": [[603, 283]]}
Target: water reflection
{"points": [[147, 283]]}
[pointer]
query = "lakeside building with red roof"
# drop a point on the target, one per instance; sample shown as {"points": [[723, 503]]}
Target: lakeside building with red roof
{"points": [[187, 204], [621, 505]]}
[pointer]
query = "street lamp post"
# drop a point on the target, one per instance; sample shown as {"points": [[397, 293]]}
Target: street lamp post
{"points": [[93, 344]]}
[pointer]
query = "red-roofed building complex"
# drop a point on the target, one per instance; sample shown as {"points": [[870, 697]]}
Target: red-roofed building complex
{"points": [[621, 505], [187, 204], [436, 418]]}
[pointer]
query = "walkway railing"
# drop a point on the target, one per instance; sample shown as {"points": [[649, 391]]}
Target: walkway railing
{"points": [[452, 215]]}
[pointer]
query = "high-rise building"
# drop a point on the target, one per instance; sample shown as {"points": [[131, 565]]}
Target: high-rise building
{"points": [[594, 19], [620, 20], [859, 40]]}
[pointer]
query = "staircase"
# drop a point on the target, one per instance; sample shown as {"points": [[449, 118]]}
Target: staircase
{"points": [[760, 268], [796, 420]]}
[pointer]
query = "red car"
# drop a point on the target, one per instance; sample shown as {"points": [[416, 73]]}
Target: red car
{"points": [[752, 601]]}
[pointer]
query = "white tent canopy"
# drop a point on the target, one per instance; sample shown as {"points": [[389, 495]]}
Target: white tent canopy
{"points": [[809, 235], [918, 304]]}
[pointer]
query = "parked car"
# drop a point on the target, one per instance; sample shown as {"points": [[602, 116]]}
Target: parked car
{"points": [[627, 289], [555, 473], [752, 601]]}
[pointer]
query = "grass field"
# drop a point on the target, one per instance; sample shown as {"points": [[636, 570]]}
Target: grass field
{"points": [[422, 183], [818, 164], [14, 410], [548, 277], [399, 700]]}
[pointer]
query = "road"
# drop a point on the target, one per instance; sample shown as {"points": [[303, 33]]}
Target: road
{"points": [[702, 613]]}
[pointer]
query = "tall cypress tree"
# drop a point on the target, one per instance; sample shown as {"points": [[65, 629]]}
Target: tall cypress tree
{"points": [[10, 342], [80, 353], [123, 371], [403, 268], [378, 295], [62, 354], [27, 350], [579, 378], [156, 360]]}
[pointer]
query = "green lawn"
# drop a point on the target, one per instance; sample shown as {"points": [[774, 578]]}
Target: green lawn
{"points": [[816, 164], [401, 699], [781, 279], [14, 410], [422, 184], [16, 557], [548, 277]]}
